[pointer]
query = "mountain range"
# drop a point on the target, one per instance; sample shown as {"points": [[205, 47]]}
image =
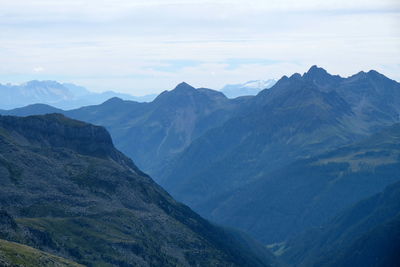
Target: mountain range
{"points": [[67, 191], [275, 165], [300, 116], [71, 96], [61, 95]]}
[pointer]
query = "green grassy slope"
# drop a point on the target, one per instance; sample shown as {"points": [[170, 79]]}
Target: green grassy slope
{"points": [[18, 255]]}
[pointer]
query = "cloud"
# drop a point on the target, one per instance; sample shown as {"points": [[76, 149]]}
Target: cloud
{"points": [[173, 65], [149, 46], [38, 69]]}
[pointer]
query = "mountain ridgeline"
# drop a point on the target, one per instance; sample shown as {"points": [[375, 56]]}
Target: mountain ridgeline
{"points": [[67, 191], [290, 159]]}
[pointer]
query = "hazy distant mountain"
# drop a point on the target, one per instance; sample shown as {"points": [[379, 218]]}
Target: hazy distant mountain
{"points": [[98, 98], [65, 189], [65, 96], [49, 92], [366, 234], [247, 88]]}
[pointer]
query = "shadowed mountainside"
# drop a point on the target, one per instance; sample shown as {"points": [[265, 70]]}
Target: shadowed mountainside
{"points": [[301, 116], [66, 190], [309, 192], [366, 234]]}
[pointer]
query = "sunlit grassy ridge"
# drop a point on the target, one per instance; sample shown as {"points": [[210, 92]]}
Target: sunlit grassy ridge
{"points": [[18, 255]]}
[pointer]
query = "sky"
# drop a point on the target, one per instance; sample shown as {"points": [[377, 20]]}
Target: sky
{"points": [[148, 46]]}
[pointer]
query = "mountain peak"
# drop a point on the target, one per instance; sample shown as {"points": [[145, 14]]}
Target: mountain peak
{"points": [[321, 77], [181, 90], [316, 71], [374, 73], [359, 75], [184, 86], [295, 76], [113, 100]]}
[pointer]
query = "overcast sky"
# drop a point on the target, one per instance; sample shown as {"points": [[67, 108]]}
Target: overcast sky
{"points": [[142, 47]]}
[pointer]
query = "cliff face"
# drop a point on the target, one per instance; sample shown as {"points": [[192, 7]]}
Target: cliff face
{"points": [[57, 131], [67, 190]]}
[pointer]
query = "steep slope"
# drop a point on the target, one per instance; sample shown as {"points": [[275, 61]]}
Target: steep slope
{"points": [[67, 190], [309, 192], [366, 234], [378, 247], [17, 255]]}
